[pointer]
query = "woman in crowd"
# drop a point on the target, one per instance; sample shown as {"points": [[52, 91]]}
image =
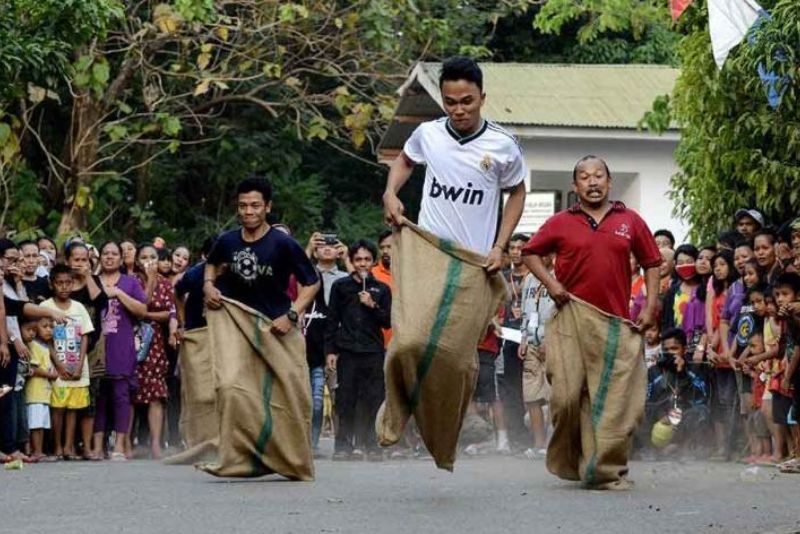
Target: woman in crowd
{"points": [[128, 248], [152, 372], [180, 262], [764, 245], [126, 304], [684, 302]]}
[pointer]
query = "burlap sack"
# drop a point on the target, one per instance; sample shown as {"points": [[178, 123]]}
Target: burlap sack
{"points": [[442, 303], [595, 366], [199, 422], [263, 397]]}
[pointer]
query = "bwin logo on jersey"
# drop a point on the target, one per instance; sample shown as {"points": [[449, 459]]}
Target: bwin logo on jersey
{"points": [[467, 195]]}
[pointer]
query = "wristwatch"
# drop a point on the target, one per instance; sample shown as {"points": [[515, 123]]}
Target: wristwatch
{"points": [[292, 316]]}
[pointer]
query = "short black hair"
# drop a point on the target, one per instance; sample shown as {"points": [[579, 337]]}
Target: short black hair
{"points": [[163, 254], [519, 237], [760, 287], [663, 232], [788, 279], [768, 232], [27, 242], [383, 236], [744, 242], [6, 244], [60, 268], [45, 238], [730, 238], [258, 183], [687, 249], [587, 157], [365, 244], [74, 245], [712, 248], [675, 333], [461, 68]]}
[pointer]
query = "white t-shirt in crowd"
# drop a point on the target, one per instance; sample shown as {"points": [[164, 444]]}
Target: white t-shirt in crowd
{"points": [[464, 179], [67, 341]]}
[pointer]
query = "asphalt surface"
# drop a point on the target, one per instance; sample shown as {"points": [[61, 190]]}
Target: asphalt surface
{"points": [[484, 495]]}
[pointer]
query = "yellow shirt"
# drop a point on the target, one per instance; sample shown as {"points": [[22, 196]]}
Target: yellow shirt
{"points": [[37, 388]]}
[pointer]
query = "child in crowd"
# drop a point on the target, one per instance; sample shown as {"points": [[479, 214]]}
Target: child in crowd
{"points": [[758, 433], [38, 336], [537, 309], [671, 384], [764, 364], [70, 344], [652, 345], [786, 400]]}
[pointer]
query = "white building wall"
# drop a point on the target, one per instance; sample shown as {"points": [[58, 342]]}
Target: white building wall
{"points": [[641, 166]]}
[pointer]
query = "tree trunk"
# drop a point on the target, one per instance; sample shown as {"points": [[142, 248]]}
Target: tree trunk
{"points": [[83, 143]]}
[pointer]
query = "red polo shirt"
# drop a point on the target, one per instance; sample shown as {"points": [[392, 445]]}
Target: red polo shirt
{"points": [[593, 259]]}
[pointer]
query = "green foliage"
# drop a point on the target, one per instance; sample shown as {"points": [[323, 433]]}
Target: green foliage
{"points": [[735, 149]]}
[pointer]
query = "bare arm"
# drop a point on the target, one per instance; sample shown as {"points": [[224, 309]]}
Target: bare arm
{"points": [[556, 291], [212, 295], [511, 216], [136, 308], [399, 173], [305, 294]]}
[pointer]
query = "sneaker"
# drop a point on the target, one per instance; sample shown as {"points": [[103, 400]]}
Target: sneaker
{"points": [[501, 449], [357, 455], [472, 450], [535, 454]]}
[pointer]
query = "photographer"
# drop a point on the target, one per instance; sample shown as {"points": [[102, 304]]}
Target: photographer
{"points": [[326, 249]]}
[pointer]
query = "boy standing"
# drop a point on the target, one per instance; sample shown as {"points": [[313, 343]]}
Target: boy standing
{"points": [[38, 334], [787, 290], [70, 343]]}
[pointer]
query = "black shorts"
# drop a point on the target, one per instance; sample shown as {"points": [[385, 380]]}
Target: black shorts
{"points": [[486, 389], [781, 405], [724, 393]]}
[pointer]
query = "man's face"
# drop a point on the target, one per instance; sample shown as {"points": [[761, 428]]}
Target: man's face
{"points": [[30, 259], [252, 209], [741, 256], [385, 247], [747, 226], [663, 241], [784, 295], [462, 102], [592, 183], [327, 253], [515, 252], [362, 260]]}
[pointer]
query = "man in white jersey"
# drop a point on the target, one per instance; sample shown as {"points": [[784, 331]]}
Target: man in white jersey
{"points": [[469, 162]]}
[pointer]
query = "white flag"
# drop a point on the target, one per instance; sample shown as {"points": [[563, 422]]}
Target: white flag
{"points": [[728, 22]]}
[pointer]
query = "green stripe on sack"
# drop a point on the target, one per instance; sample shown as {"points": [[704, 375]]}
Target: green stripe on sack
{"points": [[609, 355], [442, 315], [266, 395]]}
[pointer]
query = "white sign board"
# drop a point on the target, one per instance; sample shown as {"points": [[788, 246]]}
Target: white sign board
{"points": [[539, 206]]}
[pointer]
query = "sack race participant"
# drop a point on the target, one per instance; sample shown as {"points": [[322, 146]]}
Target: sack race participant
{"points": [[437, 321], [598, 385], [445, 275], [263, 397], [199, 421], [595, 360], [263, 393]]}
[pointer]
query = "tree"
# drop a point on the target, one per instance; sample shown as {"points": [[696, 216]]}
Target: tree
{"points": [[736, 149], [155, 79]]}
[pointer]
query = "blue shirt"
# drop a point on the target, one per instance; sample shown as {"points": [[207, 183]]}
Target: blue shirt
{"points": [[191, 284]]}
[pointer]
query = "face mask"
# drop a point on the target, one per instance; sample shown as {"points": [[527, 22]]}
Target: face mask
{"points": [[686, 271]]}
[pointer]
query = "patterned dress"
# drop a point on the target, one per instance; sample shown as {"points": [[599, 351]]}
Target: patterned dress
{"points": [[152, 372]]}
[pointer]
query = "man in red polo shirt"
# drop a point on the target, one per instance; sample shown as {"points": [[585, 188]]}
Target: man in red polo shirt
{"points": [[593, 242]]}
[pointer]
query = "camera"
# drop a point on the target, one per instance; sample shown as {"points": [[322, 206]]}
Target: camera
{"points": [[330, 239]]}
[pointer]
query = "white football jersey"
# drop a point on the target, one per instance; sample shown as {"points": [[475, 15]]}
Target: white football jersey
{"points": [[464, 179]]}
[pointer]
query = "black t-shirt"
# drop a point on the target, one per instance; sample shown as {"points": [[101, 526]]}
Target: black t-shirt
{"points": [[257, 273], [93, 306], [37, 290], [191, 283]]}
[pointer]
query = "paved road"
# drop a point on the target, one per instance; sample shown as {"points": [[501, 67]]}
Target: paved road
{"points": [[484, 495]]}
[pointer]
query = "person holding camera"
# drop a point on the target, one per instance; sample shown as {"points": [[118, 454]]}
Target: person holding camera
{"points": [[326, 249]]}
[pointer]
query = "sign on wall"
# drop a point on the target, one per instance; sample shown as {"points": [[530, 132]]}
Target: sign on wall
{"points": [[539, 206]]}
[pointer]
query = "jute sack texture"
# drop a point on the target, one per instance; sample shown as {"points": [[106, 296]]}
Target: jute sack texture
{"points": [[442, 303], [597, 374], [263, 397]]}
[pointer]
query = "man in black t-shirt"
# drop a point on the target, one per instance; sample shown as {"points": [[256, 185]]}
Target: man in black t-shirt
{"points": [[253, 264]]}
